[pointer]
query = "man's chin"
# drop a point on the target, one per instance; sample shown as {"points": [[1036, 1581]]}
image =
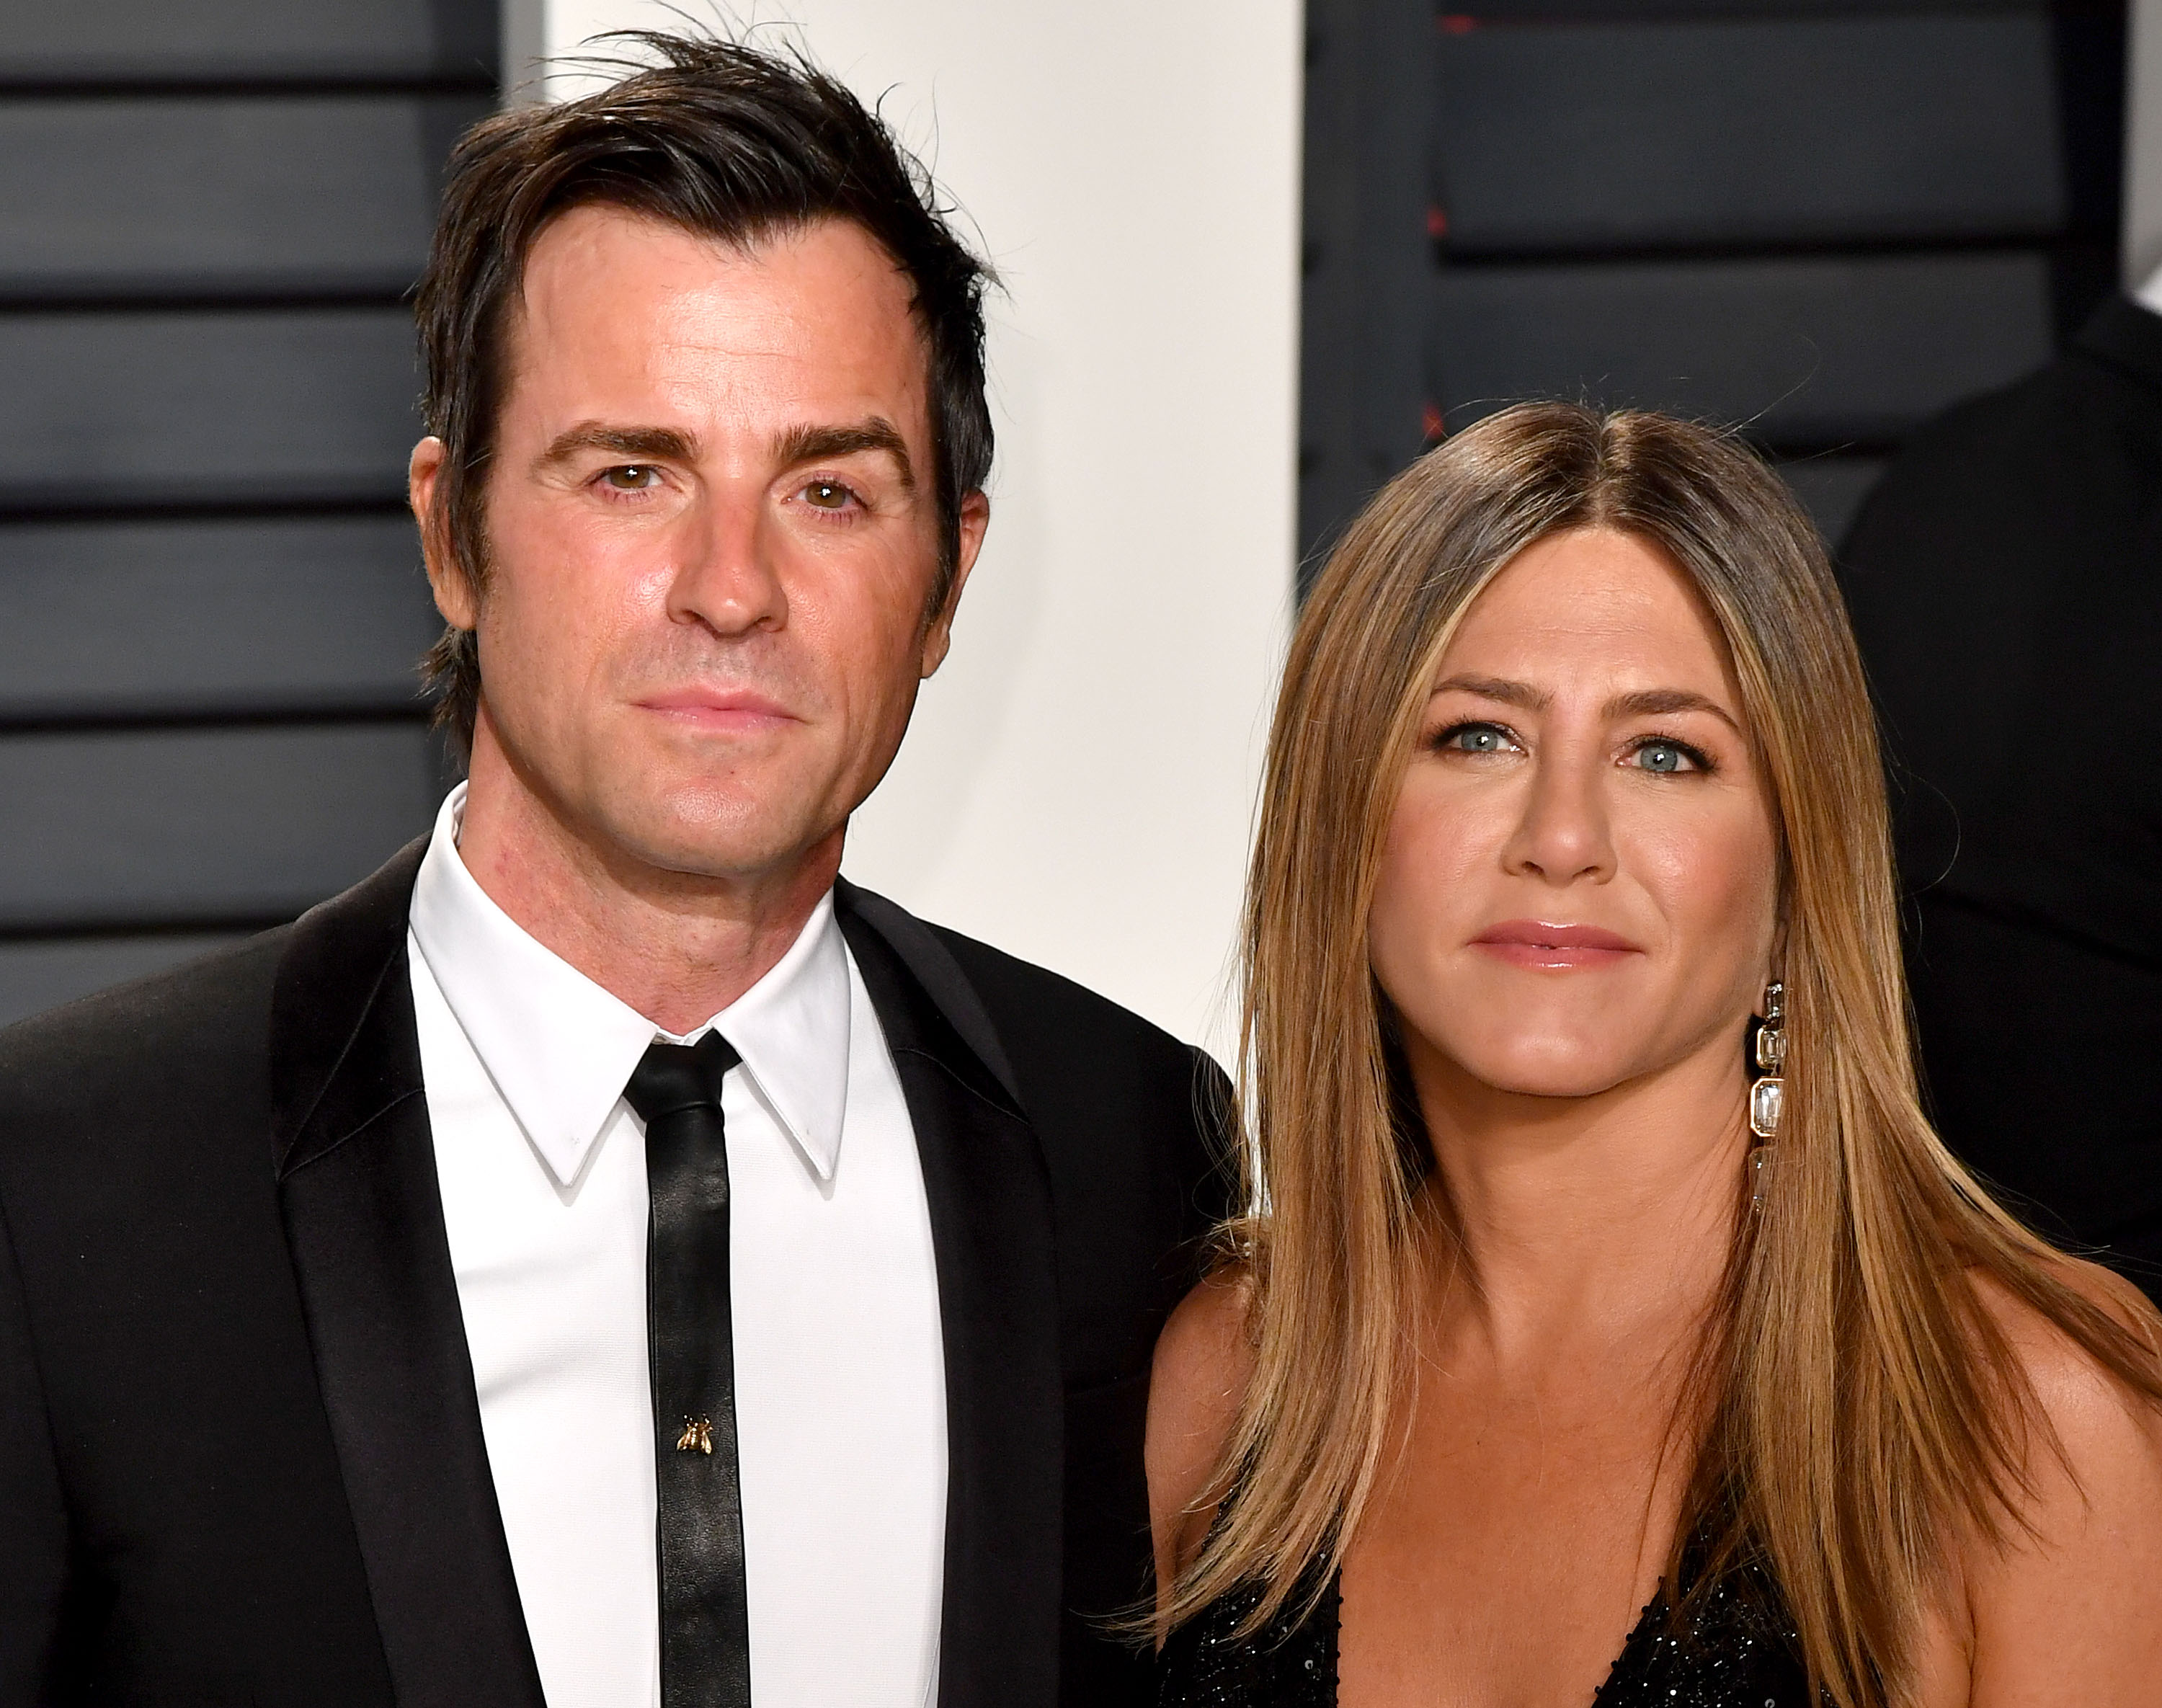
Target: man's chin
{"points": [[701, 845]]}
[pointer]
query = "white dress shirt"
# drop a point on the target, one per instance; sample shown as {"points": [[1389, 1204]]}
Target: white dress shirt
{"points": [[840, 1386]]}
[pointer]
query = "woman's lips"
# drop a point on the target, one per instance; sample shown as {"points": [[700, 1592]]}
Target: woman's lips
{"points": [[1534, 942]]}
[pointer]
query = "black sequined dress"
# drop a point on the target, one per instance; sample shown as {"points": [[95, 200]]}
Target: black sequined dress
{"points": [[1734, 1648]]}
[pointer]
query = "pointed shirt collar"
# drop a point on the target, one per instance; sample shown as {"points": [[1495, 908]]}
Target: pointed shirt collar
{"points": [[560, 1049]]}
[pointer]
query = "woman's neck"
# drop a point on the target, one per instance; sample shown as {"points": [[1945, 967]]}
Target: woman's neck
{"points": [[1595, 1218]]}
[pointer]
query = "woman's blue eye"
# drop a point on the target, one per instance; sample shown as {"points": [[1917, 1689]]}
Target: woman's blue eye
{"points": [[1662, 756], [1478, 738]]}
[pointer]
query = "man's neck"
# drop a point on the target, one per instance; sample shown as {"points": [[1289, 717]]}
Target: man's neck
{"points": [[677, 947]]}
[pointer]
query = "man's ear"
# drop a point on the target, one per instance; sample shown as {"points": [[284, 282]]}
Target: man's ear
{"points": [[938, 634], [447, 576]]}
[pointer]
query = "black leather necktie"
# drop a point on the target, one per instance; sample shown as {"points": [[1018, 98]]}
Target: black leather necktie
{"points": [[705, 1624]]}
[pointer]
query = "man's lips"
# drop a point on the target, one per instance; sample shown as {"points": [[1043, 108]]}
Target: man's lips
{"points": [[719, 709], [1534, 942]]}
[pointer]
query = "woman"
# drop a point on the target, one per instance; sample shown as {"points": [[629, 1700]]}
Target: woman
{"points": [[1610, 1322]]}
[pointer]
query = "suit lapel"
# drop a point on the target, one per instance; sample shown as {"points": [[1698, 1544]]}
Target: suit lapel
{"points": [[364, 1219], [989, 1195], [363, 1216]]}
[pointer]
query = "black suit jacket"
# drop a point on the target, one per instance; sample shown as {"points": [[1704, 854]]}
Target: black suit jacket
{"points": [[240, 1459], [2006, 583]]}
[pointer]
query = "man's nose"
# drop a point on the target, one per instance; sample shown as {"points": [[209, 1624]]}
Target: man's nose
{"points": [[723, 573]]}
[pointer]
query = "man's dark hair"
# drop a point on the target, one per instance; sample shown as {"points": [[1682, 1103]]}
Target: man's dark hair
{"points": [[721, 139]]}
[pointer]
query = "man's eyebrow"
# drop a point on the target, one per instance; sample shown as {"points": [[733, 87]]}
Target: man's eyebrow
{"points": [[658, 444], [809, 444], [1509, 693], [1653, 702]]}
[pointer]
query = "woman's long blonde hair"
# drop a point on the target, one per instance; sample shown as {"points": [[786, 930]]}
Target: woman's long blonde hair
{"points": [[1860, 1409]]}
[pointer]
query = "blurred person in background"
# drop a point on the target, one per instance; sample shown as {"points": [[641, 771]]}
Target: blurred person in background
{"points": [[603, 1258], [2005, 580], [1607, 1318]]}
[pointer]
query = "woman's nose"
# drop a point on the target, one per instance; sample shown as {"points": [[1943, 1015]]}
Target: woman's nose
{"points": [[1564, 833]]}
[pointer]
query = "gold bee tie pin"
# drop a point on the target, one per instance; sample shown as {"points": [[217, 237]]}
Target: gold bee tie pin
{"points": [[697, 1436]]}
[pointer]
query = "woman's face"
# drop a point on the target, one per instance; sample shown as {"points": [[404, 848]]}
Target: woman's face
{"points": [[1580, 885]]}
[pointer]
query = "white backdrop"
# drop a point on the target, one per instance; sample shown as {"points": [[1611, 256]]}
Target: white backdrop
{"points": [[1079, 783], [2143, 176]]}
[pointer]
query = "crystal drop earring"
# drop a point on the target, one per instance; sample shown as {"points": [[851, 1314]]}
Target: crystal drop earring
{"points": [[1767, 1093]]}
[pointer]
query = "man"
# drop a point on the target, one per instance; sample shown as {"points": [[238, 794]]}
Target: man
{"points": [[2006, 581], [604, 1258]]}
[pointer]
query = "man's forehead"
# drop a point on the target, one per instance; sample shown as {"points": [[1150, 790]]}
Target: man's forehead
{"points": [[610, 262], [817, 317]]}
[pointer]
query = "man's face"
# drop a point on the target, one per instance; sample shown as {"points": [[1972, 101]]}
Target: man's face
{"points": [[713, 534]]}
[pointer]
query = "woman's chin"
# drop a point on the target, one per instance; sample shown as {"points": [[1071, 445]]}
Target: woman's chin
{"points": [[1560, 1069]]}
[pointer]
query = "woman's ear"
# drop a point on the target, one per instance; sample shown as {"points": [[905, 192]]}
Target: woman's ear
{"points": [[1780, 913]]}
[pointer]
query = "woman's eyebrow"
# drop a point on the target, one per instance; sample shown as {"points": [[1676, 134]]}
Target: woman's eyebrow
{"points": [[1508, 693], [1645, 702], [1653, 703]]}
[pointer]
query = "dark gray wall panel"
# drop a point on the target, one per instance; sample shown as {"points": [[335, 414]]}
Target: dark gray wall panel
{"points": [[112, 828], [198, 407], [1833, 487], [222, 40], [200, 619], [1811, 352], [1366, 257], [36, 975], [194, 197], [1839, 129]]}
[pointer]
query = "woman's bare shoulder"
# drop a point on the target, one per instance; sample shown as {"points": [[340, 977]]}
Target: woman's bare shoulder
{"points": [[2067, 1603], [1203, 1359], [2081, 1398]]}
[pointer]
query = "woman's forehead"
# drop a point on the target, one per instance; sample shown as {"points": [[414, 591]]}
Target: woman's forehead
{"points": [[1589, 608]]}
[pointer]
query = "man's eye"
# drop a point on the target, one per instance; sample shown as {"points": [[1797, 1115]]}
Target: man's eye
{"points": [[633, 476], [827, 495]]}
